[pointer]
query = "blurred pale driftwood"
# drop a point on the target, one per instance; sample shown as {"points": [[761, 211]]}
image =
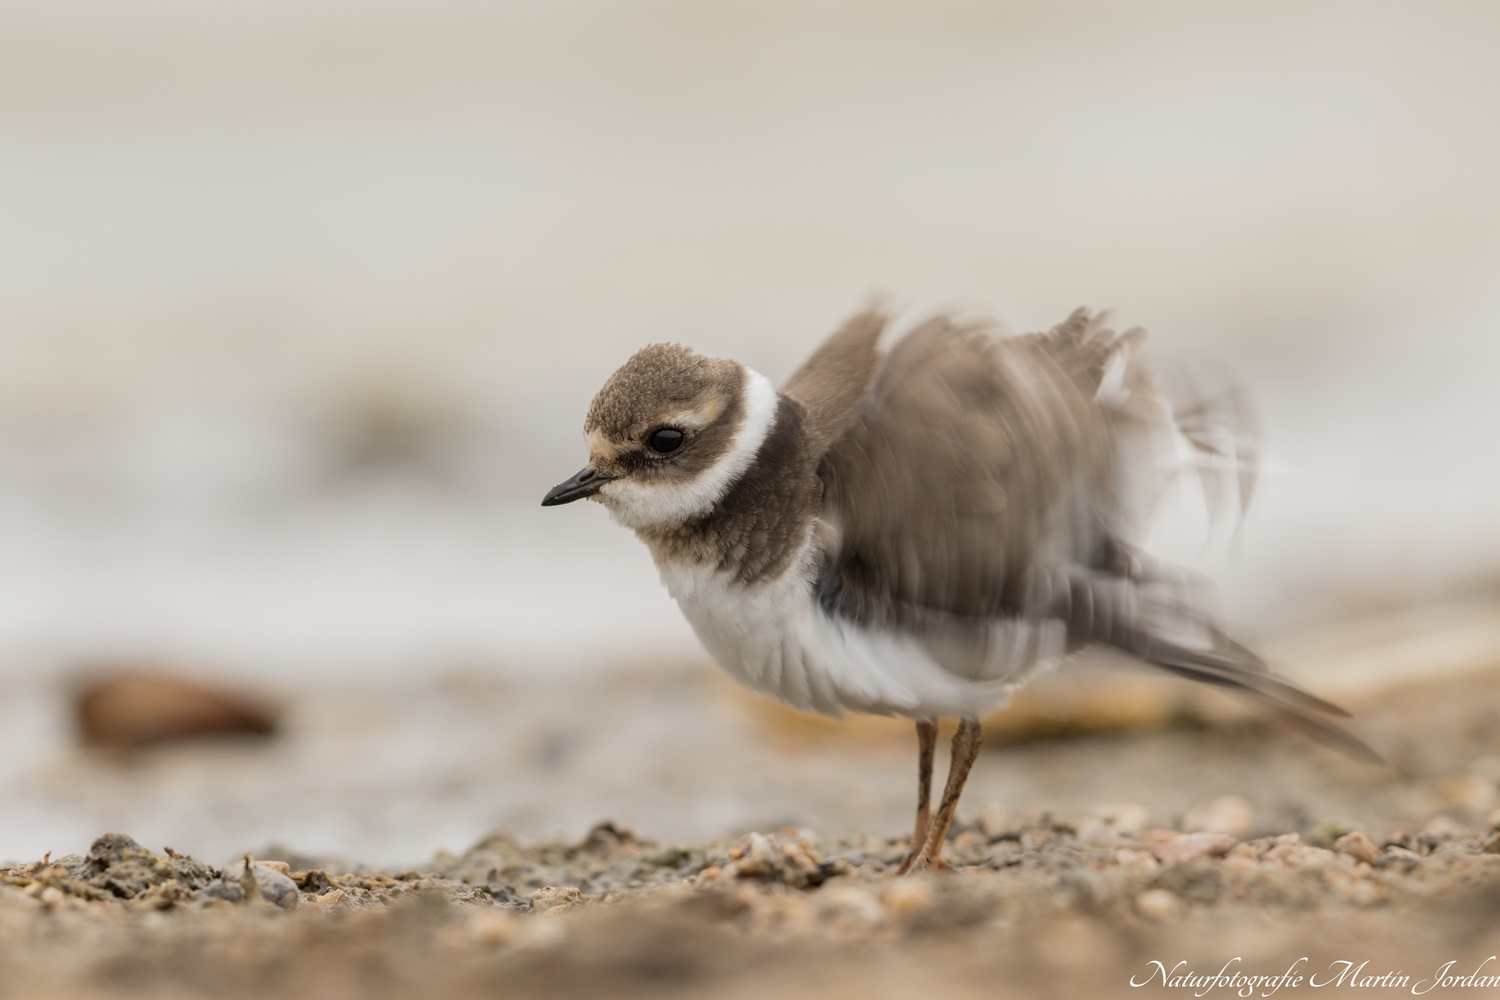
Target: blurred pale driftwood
{"points": [[1352, 663]]}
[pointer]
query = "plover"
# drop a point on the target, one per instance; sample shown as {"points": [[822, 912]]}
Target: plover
{"points": [[916, 532]]}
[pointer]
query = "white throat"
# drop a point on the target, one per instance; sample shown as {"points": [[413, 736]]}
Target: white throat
{"points": [[649, 505]]}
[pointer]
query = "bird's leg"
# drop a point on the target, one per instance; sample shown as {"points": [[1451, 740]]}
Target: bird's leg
{"points": [[926, 744], [966, 743]]}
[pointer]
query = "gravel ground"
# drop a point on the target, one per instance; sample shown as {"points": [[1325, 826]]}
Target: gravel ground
{"points": [[1396, 867]]}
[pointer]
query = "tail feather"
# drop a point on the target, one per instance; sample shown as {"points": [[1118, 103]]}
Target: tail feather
{"points": [[1298, 708], [1152, 622]]}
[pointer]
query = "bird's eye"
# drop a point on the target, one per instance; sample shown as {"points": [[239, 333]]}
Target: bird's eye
{"points": [[665, 440]]}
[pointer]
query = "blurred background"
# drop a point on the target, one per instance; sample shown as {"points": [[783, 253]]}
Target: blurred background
{"points": [[301, 306]]}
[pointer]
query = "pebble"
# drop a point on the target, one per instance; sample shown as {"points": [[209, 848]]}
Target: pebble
{"points": [[1441, 828], [229, 892], [271, 884], [1192, 846], [790, 862], [754, 858], [1158, 904], [1229, 814], [1399, 858], [553, 897], [1112, 822], [1130, 859], [1299, 855], [1357, 846], [1096, 832], [1128, 819], [1240, 864], [329, 900], [1352, 884]]}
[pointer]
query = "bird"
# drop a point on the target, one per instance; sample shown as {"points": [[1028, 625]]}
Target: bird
{"points": [[918, 530]]}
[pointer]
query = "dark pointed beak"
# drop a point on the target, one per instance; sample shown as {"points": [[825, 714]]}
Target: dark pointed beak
{"points": [[585, 483]]}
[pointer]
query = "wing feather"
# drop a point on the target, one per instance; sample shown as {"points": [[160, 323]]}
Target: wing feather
{"points": [[995, 477]]}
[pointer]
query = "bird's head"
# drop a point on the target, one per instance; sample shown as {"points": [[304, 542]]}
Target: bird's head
{"points": [[669, 433]]}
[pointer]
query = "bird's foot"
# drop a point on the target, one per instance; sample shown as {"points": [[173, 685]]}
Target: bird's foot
{"points": [[917, 862]]}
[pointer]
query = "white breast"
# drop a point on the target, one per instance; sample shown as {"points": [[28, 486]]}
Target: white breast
{"points": [[773, 637]]}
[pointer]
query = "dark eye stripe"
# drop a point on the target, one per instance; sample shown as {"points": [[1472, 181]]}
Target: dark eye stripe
{"points": [[665, 440]]}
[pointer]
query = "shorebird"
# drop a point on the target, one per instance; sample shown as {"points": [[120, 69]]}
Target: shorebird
{"points": [[917, 531]]}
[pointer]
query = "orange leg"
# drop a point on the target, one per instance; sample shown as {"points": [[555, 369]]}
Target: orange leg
{"points": [[926, 745], [966, 743]]}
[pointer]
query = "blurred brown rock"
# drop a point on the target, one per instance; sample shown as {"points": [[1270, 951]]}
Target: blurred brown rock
{"points": [[130, 708]]}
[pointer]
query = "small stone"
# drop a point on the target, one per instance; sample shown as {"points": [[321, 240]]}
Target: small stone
{"points": [[1192, 846], [1326, 832], [753, 858], [906, 896], [1110, 823], [1296, 855], [1158, 904], [230, 892], [1095, 832], [1229, 814], [315, 881], [1441, 828], [1357, 846], [1249, 850], [264, 880], [553, 897], [326, 901], [1131, 859], [608, 835], [1240, 864], [788, 861], [1126, 820], [1399, 858]]}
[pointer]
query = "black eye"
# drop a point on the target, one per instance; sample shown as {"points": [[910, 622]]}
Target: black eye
{"points": [[665, 440]]}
